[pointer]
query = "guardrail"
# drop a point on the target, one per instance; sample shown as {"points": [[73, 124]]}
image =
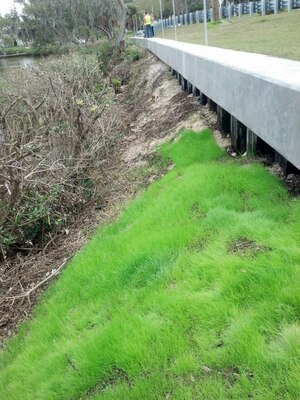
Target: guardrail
{"points": [[262, 7], [256, 96]]}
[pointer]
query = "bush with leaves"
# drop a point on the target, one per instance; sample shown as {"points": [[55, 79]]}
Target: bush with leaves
{"points": [[134, 53]]}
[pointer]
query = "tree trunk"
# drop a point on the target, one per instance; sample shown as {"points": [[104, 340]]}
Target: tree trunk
{"points": [[122, 21], [216, 9]]}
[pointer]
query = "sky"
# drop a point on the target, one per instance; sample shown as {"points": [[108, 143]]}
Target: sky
{"points": [[6, 5]]}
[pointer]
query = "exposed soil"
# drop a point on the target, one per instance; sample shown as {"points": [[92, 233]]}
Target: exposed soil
{"points": [[154, 109], [246, 248]]}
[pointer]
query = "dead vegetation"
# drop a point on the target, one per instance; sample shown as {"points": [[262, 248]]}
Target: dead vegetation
{"points": [[59, 127], [245, 247], [56, 129]]}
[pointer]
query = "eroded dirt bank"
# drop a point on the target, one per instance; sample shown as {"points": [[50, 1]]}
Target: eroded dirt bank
{"points": [[153, 109]]}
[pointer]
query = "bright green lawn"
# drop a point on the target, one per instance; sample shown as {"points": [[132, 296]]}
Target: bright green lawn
{"points": [[170, 288], [275, 35]]}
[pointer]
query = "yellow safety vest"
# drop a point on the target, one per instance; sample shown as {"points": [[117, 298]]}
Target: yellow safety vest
{"points": [[147, 20]]}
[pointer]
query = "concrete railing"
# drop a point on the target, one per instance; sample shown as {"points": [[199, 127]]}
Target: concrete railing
{"points": [[262, 7], [255, 95]]}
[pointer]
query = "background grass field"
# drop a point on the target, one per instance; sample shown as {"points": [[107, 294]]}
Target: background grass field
{"points": [[275, 35], [192, 294]]}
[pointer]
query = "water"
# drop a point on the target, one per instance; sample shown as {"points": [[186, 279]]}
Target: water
{"points": [[7, 64], [11, 63]]}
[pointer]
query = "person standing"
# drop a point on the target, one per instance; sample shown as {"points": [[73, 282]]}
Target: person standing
{"points": [[152, 25], [147, 25]]}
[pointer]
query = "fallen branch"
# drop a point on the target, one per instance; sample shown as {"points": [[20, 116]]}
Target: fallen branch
{"points": [[28, 293], [48, 244], [9, 108]]}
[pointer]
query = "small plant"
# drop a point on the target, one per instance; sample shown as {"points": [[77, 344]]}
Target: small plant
{"points": [[106, 55], [116, 84], [214, 24], [134, 54]]}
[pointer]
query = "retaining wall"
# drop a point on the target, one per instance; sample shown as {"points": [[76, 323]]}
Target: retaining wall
{"points": [[260, 94]]}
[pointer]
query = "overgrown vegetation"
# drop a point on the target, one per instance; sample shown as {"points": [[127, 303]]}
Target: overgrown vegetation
{"points": [[163, 304], [58, 124]]}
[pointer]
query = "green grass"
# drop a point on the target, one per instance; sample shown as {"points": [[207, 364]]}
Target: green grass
{"points": [[275, 35], [201, 270]]}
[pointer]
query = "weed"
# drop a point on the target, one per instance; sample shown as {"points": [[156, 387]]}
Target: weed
{"points": [[116, 84], [134, 53]]}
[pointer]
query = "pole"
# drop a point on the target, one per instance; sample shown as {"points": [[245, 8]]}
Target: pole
{"points": [[205, 22], [162, 22], [175, 32]]}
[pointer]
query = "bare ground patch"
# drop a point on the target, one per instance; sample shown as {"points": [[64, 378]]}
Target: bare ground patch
{"points": [[245, 247]]}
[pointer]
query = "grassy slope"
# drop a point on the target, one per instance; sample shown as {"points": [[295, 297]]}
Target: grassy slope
{"points": [[157, 295], [275, 35]]}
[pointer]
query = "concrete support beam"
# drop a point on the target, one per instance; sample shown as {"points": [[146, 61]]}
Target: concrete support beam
{"points": [[189, 87], [196, 91], [238, 136], [184, 84], [212, 105], [223, 119], [251, 142], [202, 99], [282, 162]]}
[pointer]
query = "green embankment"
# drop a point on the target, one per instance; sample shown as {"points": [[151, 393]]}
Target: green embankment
{"points": [[202, 270], [275, 35]]}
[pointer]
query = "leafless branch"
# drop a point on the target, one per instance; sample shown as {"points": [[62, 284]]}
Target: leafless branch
{"points": [[30, 291]]}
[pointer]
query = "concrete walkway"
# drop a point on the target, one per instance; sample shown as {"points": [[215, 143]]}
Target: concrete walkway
{"points": [[261, 92]]}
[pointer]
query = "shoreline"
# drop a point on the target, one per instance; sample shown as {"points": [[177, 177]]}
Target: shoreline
{"points": [[15, 55]]}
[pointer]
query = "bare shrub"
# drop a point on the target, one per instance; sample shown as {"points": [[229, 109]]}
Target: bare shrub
{"points": [[58, 124]]}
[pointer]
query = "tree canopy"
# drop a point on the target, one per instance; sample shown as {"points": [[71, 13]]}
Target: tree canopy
{"points": [[61, 21]]}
